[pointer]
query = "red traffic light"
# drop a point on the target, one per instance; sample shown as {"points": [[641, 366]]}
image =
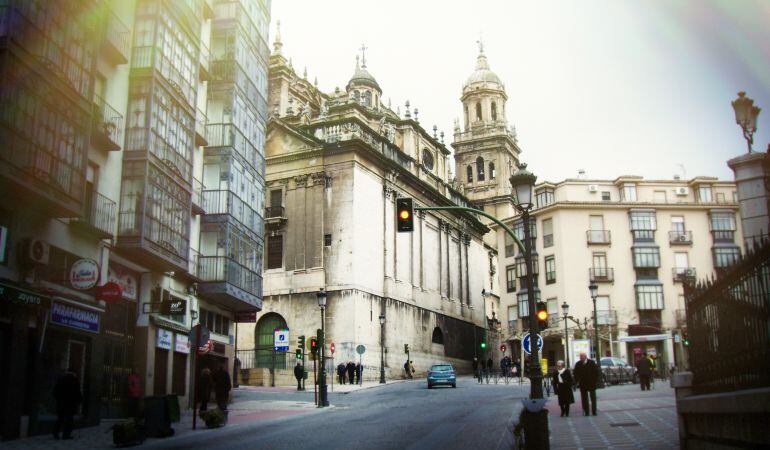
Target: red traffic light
{"points": [[331, 347], [502, 348]]}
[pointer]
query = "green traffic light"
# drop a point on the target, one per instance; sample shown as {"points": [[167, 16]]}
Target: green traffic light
{"points": [[483, 345]]}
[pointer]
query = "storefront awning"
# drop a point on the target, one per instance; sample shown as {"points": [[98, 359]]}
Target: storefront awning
{"points": [[18, 295], [647, 338]]}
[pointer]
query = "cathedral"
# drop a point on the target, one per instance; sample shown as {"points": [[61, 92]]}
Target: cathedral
{"points": [[336, 163]]}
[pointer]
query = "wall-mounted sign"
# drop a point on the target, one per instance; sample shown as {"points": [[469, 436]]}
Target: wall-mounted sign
{"points": [[246, 317], [21, 296], [164, 339], [281, 340], [202, 350], [109, 292], [74, 317], [84, 274], [127, 279], [181, 343], [172, 306]]}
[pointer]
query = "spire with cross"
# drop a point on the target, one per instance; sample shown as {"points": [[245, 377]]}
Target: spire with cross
{"points": [[363, 55], [481, 45]]}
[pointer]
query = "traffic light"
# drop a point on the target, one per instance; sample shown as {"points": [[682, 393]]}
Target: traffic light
{"points": [[314, 346], [299, 354], [542, 315], [685, 340], [406, 348], [483, 345], [301, 341], [404, 214]]}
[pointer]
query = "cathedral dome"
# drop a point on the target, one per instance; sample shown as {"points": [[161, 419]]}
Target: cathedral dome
{"points": [[361, 76], [483, 74]]}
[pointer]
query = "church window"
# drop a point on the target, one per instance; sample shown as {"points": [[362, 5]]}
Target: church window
{"points": [[478, 111], [367, 98], [491, 170], [427, 159], [356, 95], [494, 111], [466, 115], [470, 174], [275, 251], [480, 168]]}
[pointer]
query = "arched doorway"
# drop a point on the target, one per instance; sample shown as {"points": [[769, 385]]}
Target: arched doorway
{"points": [[264, 336], [438, 336]]}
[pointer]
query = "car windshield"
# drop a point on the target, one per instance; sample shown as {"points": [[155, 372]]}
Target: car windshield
{"points": [[606, 362], [441, 368]]}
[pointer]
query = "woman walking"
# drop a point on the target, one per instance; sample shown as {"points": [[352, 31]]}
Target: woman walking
{"points": [[562, 386]]}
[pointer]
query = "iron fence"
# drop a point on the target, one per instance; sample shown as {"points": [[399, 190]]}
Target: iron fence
{"points": [[262, 357], [728, 323]]}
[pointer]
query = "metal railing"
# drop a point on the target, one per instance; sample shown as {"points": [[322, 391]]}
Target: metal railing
{"points": [[117, 33], [728, 324], [223, 268], [600, 274], [193, 263], [173, 239], [682, 273], [274, 211], [147, 140], [200, 122], [263, 358], [680, 237], [598, 236], [107, 122], [204, 57], [227, 202], [197, 192], [100, 213]]}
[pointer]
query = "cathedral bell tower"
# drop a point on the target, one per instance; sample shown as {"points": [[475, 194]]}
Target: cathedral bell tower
{"points": [[486, 151]]}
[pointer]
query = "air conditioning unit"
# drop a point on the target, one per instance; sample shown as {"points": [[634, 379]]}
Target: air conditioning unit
{"points": [[689, 272], [681, 238], [37, 251], [682, 191], [593, 188]]}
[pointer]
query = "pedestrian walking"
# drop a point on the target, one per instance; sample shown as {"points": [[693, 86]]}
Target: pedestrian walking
{"points": [[351, 372], [133, 394], [411, 370], [475, 365], [68, 396], [222, 386], [644, 371], [359, 372], [298, 374], [490, 365], [205, 385], [407, 371], [341, 373], [562, 386], [586, 376]]}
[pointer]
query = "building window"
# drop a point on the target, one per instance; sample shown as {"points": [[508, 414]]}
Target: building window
{"points": [[478, 112], [643, 225], [544, 197], [469, 172], [723, 226], [275, 251], [492, 173], [494, 111], [518, 230], [438, 336], [704, 194], [513, 316], [628, 193], [521, 267], [677, 224], [725, 257], [721, 197], [646, 257], [649, 296], [605, 196], [510, 278], [550, 270], [548, 233], [509, 245], [327, 240], [480, 168], [215, 322], [427, 159]]}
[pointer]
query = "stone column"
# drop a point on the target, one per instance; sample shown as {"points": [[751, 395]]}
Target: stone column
{"points": [[749, 170]]}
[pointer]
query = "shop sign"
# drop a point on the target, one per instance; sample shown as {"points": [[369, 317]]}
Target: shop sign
{"points": [[182, 343], [205, 348], [74, 317], [125, 278], [110, 292], [172, 306], [84, 274], [164, 339], [21, 296], [246, 317]]}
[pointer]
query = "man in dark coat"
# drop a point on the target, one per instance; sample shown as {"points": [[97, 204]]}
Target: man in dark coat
{"points": [[341, 372], [222, 386], [476, 369], [644, 370], [68, 396], [205, 384], [359, 371], [562, 386], [586, 376], [298, 372], [351, 372]]}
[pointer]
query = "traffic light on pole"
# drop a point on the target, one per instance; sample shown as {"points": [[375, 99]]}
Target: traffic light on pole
{"points": [[314, 346], [299, 354], [404, 214], [685, 340], [542, 315], [483, 345], [301, 341], [406, 348]]}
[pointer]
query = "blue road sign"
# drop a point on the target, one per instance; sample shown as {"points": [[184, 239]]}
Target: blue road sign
{"points": [[527, 343], [281, 340]]}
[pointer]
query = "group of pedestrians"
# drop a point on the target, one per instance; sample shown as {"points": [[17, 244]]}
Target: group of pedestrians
{"points": [[585, 377], [219, 382], [350, 373], [482, 369]]}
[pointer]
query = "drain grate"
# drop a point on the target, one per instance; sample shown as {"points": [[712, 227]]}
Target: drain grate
{"points": [[625, 424]]}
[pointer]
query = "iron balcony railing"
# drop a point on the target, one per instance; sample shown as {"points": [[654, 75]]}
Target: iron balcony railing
{"points": [[117, 34], [683, 273], [274, 212], [107, 123], [147, 140], [100, 213], [227, 202], [600, 274], [222, 268], [149, 57], [200, 127], [171, 238], [598, 236], [607, 317], [204, 59], [680, 237], [197, 194], [194, 263]]}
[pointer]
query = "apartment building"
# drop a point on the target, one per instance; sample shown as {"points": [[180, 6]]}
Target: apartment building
{"points": [[637, 240]]}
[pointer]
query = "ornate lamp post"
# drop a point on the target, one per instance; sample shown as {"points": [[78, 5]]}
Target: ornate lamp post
{"points": [[594, 290], [323, 399], [534, 417], [382, 348], [565, 314], [746, 116]]}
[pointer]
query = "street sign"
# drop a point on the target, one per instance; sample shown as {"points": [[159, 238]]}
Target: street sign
{"points": [[527, 344], [331, 348], [246, 317], [502, 348], [281, 340], [360, 349]]}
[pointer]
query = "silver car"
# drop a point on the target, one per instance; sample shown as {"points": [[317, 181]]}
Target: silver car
{"points": [[616, 371]]}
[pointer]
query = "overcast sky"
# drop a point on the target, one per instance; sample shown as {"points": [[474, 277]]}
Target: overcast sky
{"points": [[613, 87]]}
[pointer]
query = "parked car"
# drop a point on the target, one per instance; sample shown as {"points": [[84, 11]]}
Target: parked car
{"points": [[616, 370], [441, 373]]}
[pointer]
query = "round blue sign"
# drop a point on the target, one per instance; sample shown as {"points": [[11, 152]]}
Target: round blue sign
{"points": [[527, 343]]}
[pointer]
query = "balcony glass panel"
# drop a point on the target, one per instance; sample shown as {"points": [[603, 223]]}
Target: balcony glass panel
{"points": [[221, 268], [649, 296], [646, 257]]}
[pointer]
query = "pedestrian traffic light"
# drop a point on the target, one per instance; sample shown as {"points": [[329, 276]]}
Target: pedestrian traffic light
{"points": [[313, 346], [299, 354], [301, 341], [542, 315], [483, 345], [406, 348], [404, 214]]}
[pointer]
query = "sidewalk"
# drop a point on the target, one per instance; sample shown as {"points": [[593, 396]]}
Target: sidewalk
{"points": [[628, 418], [332, 389]]}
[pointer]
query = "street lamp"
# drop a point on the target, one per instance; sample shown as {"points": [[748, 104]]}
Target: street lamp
{"points": [[565, 313], [746, 116], [382, 348], [594, 290], [323, 399], [534, 418]]}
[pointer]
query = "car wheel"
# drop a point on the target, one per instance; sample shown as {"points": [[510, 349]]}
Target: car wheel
{"points": [[430, 386], [454, 385]]}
